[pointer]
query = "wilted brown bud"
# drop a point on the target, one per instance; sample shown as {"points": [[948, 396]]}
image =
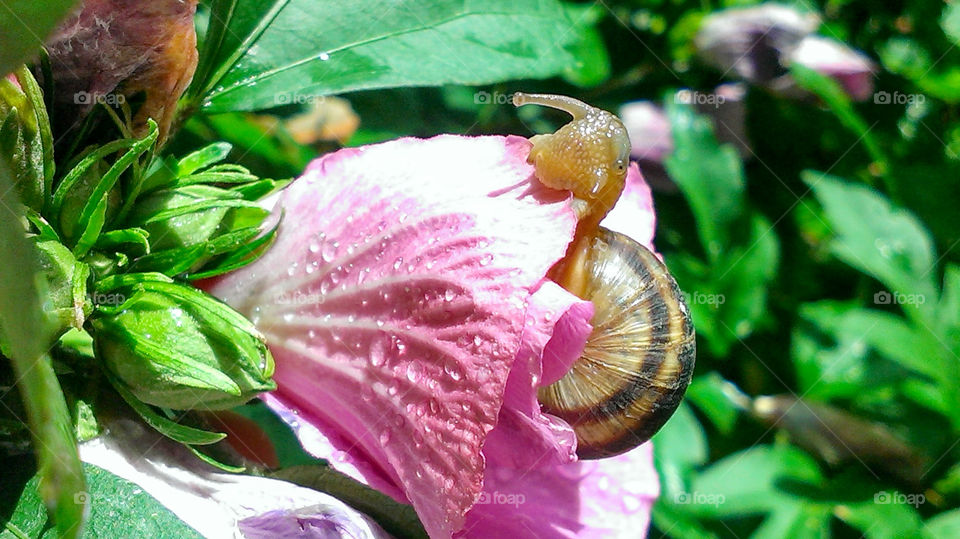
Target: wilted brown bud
{"points": [[110, 50]]}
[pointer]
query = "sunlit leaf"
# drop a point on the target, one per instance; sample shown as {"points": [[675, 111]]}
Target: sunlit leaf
{"points": [[318, 48]]}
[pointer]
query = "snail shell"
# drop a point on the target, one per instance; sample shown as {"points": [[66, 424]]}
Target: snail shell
{"points": [[639, 358]]}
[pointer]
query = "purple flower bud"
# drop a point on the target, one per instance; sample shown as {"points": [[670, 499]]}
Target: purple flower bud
{"points": [[760, 43]]}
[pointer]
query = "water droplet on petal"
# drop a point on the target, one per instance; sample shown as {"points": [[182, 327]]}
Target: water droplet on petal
{"points": [[631, 503], [413, 372], [452, 370]]}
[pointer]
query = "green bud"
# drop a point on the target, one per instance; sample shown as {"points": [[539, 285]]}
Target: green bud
{"points": [[191, 224], [66, 279], [174, 346], [25, 140], [74, 202]]}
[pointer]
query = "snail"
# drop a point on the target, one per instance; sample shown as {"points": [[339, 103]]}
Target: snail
{"points": [[639, 357]]}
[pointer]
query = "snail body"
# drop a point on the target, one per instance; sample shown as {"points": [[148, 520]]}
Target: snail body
{"points": [[638, 360]]}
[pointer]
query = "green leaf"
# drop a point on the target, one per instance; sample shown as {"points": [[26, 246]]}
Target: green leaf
{"points": [[945, 525], [709, 394], [171, 429], [889, 515], [950, 22], [679, 447], [203, 158], [948, 310], [757, 480], [77, 172], [592, 65], [118, 508], [233, 28], [26, 333], [710, 176], [728, 297], [881, 240], [846, 368], [134, 237], [908, 58], [26, 23], [796, 521], [92, 217], [319, 48], [398, 519]]}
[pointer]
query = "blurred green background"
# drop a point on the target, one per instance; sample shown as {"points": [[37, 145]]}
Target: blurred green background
{"points": [[819, 258]]}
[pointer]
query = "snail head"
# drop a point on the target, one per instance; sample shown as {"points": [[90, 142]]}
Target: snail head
{"points": [[588, 156]]}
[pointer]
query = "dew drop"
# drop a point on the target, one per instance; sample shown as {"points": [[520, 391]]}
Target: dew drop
{"points": [[452, 370], [631, 503], [329, 250], [378, 355], [413, 372], [384, 437]]}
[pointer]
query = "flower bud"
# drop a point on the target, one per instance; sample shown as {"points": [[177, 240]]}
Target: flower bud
{"points": [[66, 280], [108, 51], [176, 347], [760, 44], [25, 137], [189, 225]]}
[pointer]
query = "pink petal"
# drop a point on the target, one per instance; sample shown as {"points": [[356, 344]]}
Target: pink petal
{"points": [[633, 215], [598, 498], [557, 327], [394, 301]]}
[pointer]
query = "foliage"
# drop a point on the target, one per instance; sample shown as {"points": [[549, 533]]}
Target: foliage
{"points": [[821, 265]]}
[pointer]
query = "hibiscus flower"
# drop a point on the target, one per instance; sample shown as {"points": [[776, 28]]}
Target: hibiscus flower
{"points": [[406, 306]]}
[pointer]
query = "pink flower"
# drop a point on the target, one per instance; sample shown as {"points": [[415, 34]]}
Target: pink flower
{"points": [[406, 306]]}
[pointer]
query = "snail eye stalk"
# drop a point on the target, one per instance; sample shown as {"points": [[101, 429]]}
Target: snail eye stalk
{"points": [[639, 358]]}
